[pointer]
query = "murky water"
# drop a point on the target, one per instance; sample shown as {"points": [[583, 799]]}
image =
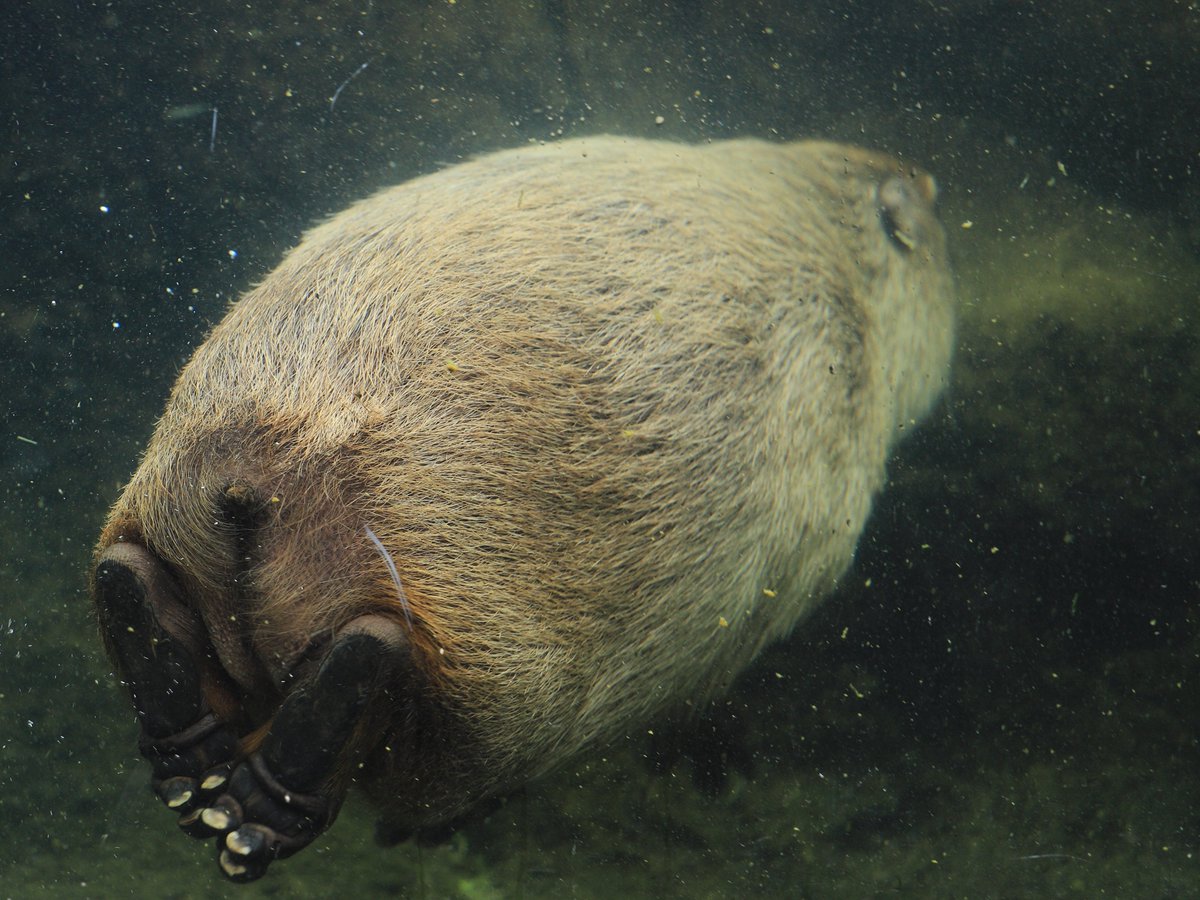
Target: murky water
{"points": [[999, 701]]}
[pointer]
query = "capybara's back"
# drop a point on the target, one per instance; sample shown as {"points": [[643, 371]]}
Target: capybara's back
{"points": [[508, 458]]}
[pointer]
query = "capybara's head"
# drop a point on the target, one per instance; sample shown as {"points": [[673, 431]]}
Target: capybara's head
{"points": [[504, 460]]}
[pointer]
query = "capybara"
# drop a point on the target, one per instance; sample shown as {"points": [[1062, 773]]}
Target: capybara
{"points": [[507, 459]]}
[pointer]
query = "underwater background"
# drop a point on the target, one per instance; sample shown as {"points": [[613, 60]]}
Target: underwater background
{"points": [[1001, 700]]}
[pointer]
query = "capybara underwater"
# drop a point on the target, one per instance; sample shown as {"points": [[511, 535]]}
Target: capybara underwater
{"points": [[506, 460]]}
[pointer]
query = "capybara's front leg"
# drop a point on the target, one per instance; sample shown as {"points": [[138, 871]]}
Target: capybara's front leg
{"points": [[287, 792], [155, 641]]}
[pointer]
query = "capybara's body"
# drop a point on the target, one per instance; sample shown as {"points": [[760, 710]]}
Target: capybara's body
{"points": [[615, 408]]}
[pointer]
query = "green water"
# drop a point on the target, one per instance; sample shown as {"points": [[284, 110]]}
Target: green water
{"points": [[1001, 700]]}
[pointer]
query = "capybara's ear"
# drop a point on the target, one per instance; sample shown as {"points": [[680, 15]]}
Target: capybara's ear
{"points": [[906, 209]]}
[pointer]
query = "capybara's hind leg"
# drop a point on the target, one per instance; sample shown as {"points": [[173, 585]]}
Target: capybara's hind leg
{"points": [[155, 640], [287, 792]]}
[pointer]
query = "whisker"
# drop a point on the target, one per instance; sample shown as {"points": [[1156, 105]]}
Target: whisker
{"points": [[387, 558]]}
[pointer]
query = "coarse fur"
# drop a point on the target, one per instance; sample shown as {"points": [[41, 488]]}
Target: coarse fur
{"points": [[617, 409]]}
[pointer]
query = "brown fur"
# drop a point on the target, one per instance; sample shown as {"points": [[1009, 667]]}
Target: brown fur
{"points": [[617, 408]]}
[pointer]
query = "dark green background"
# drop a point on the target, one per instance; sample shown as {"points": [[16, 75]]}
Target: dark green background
{"points": [[1000, 702]]}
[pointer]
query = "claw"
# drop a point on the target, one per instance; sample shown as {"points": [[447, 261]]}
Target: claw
{"points": [[177, 793], [221, 819], [246, 841], [240, 869]]}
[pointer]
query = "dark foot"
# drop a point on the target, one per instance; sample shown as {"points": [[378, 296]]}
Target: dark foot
{"points": [[255, 818], [154, 640], [277, 800], [280, 799]]}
